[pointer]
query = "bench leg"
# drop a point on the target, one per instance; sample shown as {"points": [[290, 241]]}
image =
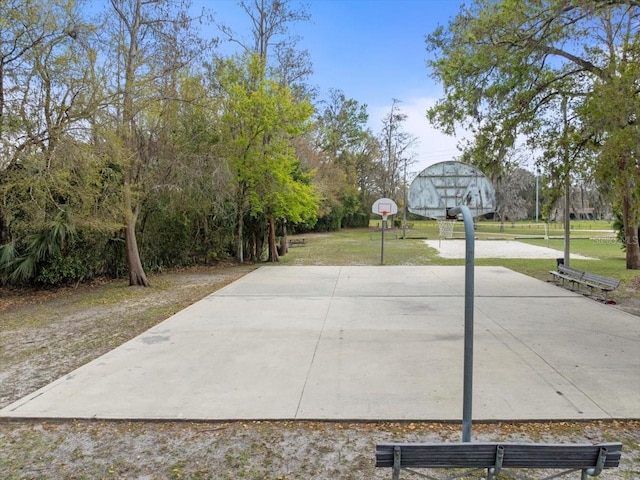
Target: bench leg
{"points": [[493, 471], [396, 463], [595, 471]]}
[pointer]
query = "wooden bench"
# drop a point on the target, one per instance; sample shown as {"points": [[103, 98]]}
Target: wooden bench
{"points": [[589, 459], [600, 282], [577, 278], [567, 274], [296, 242]]}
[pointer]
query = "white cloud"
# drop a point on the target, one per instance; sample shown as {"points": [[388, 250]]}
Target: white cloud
{"points": [[433, 146]]}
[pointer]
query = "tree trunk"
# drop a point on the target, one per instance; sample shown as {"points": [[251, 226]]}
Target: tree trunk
{"points": [[3, 231], [567, 223], [630, 235], [137, 277], [284, 247], [273, 248], [239, 250]]}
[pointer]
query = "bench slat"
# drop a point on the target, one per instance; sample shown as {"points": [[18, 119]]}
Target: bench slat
{"points": [[482, 455], [599, 281], [573, 272]]}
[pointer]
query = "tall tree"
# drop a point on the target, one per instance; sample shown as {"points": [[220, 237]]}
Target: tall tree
{"points": [[48, 179], [282, 61], [347, 149], [611, 111], [25, 25], [271, 41], [396, 147], [152, 41], [261, 118], [38, 40], [509, 67]]}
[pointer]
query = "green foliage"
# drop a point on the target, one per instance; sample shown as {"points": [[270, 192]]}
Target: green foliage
{"points": [[114, 257], [618, 226], [563, 75], [331, 221], [61, 270], [346, 167], [260, 118]]}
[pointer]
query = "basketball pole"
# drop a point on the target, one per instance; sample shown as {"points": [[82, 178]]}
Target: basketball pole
{"points": [[467, 394], [384, 221]]}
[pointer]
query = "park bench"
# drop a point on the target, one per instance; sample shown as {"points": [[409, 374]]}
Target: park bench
{"points": [[589, 459], [567, 274], [296, 242], [577, 278], [600, 282]]}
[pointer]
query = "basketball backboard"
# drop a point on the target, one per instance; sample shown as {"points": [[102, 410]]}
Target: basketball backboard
{"points": [[445, 185], [384, 207]]}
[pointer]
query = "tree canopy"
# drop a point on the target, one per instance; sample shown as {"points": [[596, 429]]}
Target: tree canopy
{"points": [[130, 144], [552, 75]]}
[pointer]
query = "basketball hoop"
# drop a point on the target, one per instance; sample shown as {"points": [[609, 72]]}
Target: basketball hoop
{"points": [[384, 207], [445, 229]]}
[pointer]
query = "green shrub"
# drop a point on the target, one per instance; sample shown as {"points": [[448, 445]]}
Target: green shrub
{"points": [[63, 270]]}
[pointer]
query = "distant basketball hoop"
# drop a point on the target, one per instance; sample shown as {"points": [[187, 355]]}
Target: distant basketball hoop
{"points": [[446, 185], [445, 228], [384, 207]]}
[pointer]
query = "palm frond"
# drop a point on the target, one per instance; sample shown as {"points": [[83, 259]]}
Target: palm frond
{"points": [[25, 269]]}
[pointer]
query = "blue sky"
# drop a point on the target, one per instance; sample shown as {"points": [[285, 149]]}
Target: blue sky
{"points": [[374, 51]]}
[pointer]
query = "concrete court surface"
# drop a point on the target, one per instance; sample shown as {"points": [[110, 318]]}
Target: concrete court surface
{"points": [[449, 248], [364, 343]]}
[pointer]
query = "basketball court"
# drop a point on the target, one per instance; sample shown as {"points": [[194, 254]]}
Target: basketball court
{"points": [[364, 343], [370, 343]]}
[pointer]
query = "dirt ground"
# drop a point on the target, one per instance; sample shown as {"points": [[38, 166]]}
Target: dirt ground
{"points": [[49, 333]]}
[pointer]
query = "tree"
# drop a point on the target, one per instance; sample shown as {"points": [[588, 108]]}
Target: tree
{"points": [[49, 179], [510, 200], [508, 68], [346, 151], [612, 110], [270, 21], [153, 41], [261, 118], [396, 155], [39, 39], [282, 62], [202, 192]]}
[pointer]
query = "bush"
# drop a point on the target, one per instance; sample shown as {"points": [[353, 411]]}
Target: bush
{"points": [[62, 270]]}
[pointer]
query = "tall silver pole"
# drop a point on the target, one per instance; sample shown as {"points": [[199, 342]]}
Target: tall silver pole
{"points": [[537, 196], [404, 207], [567, 223], [384, 221], [467, 394], [567, 184]]}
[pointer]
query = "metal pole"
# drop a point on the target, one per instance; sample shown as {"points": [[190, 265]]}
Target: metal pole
{"points": [[567, 223], [404, 207], [537, 196], [567, 184], [384, 222], [467, 394]]}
